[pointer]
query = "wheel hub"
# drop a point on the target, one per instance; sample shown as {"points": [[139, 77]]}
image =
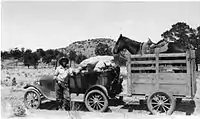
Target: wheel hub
{"points": [[160, 102], [96, 100]]}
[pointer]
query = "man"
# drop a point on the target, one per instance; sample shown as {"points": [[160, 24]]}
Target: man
{"points": [[160, 46], [62, 84], [145, 48]]}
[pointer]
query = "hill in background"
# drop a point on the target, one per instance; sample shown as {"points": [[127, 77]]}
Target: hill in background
{"points": [[87, 47]]}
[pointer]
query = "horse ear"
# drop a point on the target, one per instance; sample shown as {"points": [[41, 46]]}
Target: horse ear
{"points": [[120, 35], [149, 39]]}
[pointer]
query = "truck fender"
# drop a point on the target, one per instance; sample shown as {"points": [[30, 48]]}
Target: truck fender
{"points": [[32, 87], [97, 87]]}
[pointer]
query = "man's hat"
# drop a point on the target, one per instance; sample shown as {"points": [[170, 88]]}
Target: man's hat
{"points": [[62, 59]]}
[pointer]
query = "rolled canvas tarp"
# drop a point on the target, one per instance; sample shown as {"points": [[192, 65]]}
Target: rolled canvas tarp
{"points": [[98, 62]]}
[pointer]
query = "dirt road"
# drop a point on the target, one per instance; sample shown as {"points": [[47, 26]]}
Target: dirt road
{"points": [[47, 111]]}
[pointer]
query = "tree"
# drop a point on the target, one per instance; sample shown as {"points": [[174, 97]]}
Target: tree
{"points": [[103, 49], [16, 54], [56, 53], [182, 33], [60, 54], [22, 50], [34, 59], [31, 58], [47, 59], [80, 58], [49, 55], [198, 38], [197, 52], [50, 52], [185, 35], [40, 52], [5, 55], [27, 57], [72, 56]]}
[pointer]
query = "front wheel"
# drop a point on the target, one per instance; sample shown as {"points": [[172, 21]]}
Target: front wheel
{"points": [[32, 99], [161, 103], [96, 101]]}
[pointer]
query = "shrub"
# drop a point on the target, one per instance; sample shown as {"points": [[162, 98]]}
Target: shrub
{"points": [[18, 108], [14, 83], [80, 58], [103, 49]]}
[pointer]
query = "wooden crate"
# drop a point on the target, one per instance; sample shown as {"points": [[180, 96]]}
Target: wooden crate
{"points": [[173, 72]]}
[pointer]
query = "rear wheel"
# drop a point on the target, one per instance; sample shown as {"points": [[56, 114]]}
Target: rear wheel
{"points": [[32, 99], [96, 101], [161, 103]]}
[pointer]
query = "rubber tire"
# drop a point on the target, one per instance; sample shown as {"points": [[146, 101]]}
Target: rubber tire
{"points": [[172, 107], [103, 95], [38, 95]]}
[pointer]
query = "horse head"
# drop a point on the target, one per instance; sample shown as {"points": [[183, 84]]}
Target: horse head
{"points": [[126, 43], [120, 44]]}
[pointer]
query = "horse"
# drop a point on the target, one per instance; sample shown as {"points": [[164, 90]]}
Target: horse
{"points": [[134, 47], [172, 47]]}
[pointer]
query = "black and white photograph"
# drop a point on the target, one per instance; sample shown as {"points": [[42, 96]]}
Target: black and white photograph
{"points": [[115, 59]]}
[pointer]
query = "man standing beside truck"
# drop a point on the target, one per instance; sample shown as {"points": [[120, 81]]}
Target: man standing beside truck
{"points": [[62, 84]]}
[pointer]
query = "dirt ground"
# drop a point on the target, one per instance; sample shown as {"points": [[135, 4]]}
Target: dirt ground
{"points": [[12, 95]]}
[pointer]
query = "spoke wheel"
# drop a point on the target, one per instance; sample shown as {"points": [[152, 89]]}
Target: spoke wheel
{"points": [[32, 99], [96, 101], [161, 103]]}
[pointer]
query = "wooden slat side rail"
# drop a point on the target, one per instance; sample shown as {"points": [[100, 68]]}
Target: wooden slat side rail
{"points": [[143, 68], [194, 83], [172, 55], [174, 68], [160, 55], [143, 56], [191, 66], [188, 72], [160, 58], [172, 61], [157, 71], [154, 68], [159, 61], [129, 84], [143, 65], [144, 62], [142, 59]]}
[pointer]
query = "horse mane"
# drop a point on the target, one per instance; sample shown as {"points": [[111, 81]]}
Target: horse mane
{"points": [[126, 43]]}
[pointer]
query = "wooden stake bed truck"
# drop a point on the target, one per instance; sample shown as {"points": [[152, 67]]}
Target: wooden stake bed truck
{"points": [[162, 79]]}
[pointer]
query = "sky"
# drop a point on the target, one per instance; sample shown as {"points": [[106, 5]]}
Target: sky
{"points": [[51, 25]]}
